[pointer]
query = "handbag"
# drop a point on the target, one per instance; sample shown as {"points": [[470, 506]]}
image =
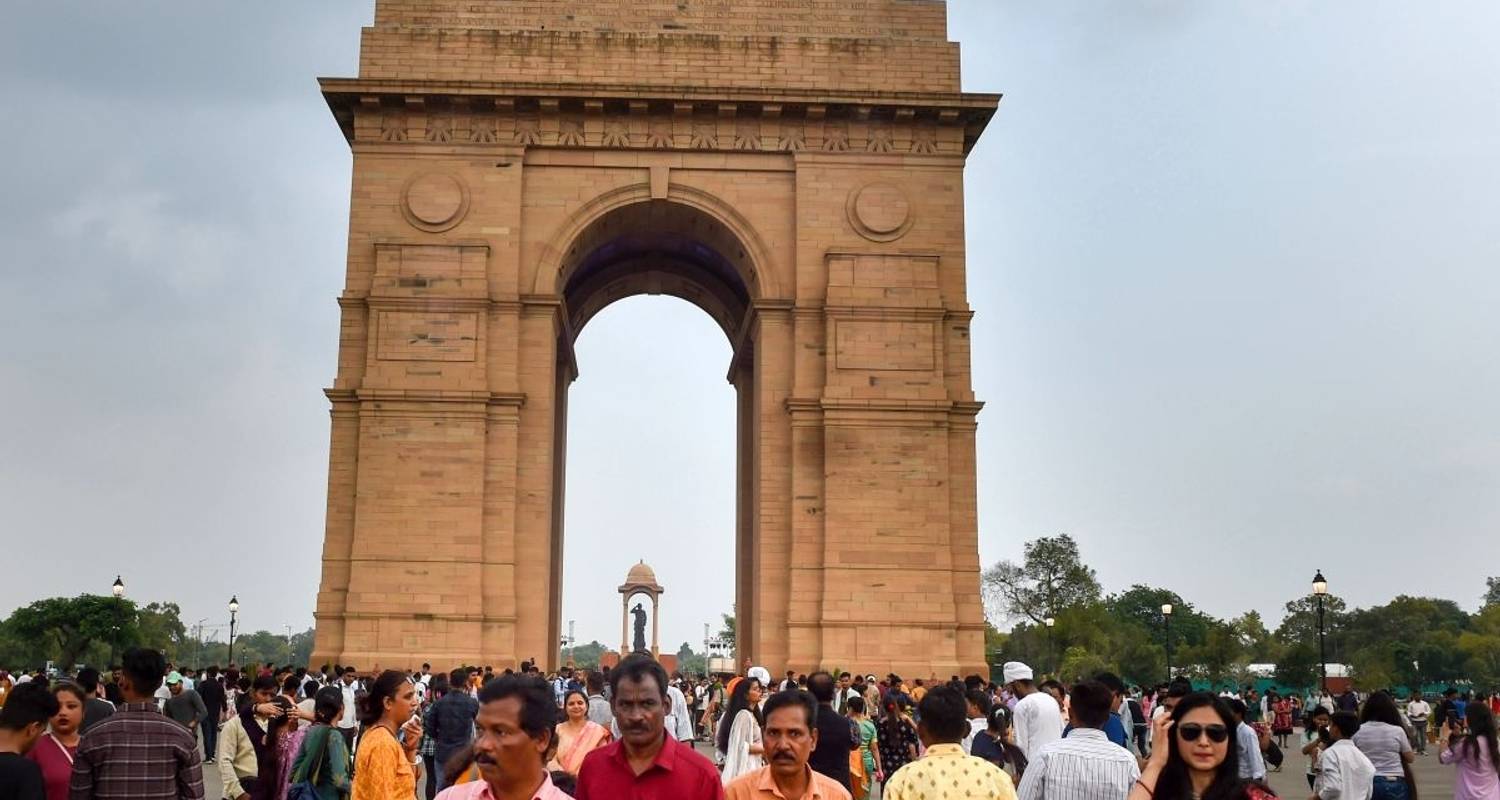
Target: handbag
{"points": [[307, 789]]}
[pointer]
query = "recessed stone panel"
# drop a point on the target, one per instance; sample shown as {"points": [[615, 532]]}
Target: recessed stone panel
{"points": [[885, 345], [427, 336]]}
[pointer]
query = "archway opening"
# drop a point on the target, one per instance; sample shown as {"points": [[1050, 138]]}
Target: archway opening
{"points": [[659, 440]]}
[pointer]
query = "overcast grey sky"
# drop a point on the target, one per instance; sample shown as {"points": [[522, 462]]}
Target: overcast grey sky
{"points": [[1234, 266]]}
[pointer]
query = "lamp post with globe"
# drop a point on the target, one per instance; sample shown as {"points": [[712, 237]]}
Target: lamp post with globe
{"points": [[234, 610]]}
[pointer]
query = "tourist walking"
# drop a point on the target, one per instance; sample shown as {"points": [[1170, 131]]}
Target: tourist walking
{"points": [[1252, 764], [349, 723], [516, 725], [644, 763], [211, 691], [23, 719], [1281, 719], [1037, 721], [137, 752], [739, 737], [790, 730], [1383, 740], [322, 759], [830, 754], [54, 750], [451, 721], [1315, 738], [898, 735], [1475, 754], [386, 755], [864, 761], [1086, 764], [1344, 773], [1417, 712], [945, 772], [184, 706], [599, 712], [96, 708], [577, 735], [1193, 757]]}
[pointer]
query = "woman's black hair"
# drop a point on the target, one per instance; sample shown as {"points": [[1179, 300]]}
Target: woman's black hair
{"points": [[739, 700], [891, 724], [855, 704], [29, 703], [373, 706], [998, 721], [71, 688], [1481, 723], [328, 704], [1175, 782], [1380, 707]]}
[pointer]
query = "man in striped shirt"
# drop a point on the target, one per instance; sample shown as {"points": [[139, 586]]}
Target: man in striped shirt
{"points": [[1085, 765]]}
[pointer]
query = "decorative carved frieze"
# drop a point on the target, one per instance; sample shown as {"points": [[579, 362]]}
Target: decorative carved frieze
{"points": [[880, 126]]}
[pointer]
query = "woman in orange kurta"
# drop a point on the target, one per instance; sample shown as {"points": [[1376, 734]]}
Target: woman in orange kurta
{"points": [[384, 766]]}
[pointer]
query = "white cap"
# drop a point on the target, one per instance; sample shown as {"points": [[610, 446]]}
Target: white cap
{"points": [[1016, 671], [761, 674]]}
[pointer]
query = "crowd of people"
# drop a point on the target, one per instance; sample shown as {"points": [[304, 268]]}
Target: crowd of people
{"points": [[634, 731]]}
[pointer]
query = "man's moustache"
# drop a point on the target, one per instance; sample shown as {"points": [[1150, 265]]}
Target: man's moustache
{"points": [[481, 758]]}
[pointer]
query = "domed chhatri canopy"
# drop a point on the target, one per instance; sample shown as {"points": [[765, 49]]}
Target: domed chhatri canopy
{"points": [[640, 580]]}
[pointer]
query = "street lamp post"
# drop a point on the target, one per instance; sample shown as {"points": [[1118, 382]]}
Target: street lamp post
{"points": [[1166, 618], [564, 643], [234, 610], [1051, 651], [118, 590], [1320, 588]]}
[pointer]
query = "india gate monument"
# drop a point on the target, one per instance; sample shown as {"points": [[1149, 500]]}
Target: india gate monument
{"points": [[792, 167]]}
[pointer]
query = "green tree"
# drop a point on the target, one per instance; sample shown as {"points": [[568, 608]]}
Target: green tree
{"points": [[1221, 657], [161, 628], [1491, 592], [1301, 624], [1258, 644], [1298, 666], [1051, 577], [1141, 605], [587, 656], [1079, 664], [727, 631], [689, 662], [69, 625], [1480, 647]]}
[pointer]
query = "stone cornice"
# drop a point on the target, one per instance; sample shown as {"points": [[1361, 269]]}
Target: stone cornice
{"points": [[782, 120]]}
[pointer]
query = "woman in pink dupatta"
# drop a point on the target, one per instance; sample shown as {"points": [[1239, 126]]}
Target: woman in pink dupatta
{"points": [[578, 736]]}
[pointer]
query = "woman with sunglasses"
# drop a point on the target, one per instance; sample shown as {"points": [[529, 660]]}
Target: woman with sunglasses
{"points": [[1195, 756]]}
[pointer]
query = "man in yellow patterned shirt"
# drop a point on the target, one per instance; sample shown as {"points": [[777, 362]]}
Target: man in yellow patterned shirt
{"points": [[946, 772]]}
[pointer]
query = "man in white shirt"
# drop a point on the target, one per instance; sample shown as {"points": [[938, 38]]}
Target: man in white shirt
{"points": [[1037, 720], [979, 717], [679, 721], [1417, 712], [1085, 765], [1252, 764], [1344, 773], [349, 683]]}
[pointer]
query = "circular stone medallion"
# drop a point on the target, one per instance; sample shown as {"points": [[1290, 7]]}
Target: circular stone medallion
{"points": [[880, 211], [435, 201]]}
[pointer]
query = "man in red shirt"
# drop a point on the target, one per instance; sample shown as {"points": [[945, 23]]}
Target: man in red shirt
{"points": [[646, 763]]}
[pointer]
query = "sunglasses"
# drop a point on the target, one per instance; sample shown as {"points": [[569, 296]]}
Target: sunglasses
{"points": [[1191, 732]]}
